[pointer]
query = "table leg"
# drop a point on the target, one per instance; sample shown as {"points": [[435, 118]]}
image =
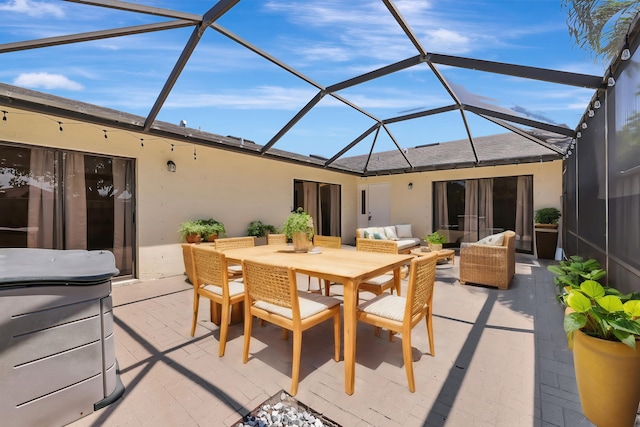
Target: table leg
{"points": [[350, 323], [396, 280]]}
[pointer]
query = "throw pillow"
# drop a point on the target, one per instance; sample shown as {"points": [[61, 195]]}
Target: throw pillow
{"points": [[493, 240], [404, 230], [379, 236], [390, 232]]}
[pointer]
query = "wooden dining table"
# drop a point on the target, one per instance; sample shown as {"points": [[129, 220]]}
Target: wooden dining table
{"points": [[346, 266]]}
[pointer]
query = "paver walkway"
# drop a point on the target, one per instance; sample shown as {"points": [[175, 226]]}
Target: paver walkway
{"points": [[501, 360]]}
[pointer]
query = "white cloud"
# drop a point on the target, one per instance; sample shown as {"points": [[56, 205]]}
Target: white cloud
{"points": [[33, 8], [448, 41], [46, 81]]}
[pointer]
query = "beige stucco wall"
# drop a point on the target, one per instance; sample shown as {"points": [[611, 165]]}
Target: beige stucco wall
{"points": [[231, 188], [236, 189], [415, 206]]}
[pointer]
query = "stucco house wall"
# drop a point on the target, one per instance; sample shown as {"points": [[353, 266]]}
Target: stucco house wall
{"points": [[237, 189]]}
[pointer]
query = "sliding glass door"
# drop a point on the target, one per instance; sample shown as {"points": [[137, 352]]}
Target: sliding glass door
{"points": [[323, 202], [57, 199], [468, 210]]}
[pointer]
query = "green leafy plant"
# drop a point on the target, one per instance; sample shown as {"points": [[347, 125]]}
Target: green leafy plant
{"points": [[436, 238], [603, 312], [572, 272], [191, 227], [298, 221], [260, 229], [547, 216], [211, 227]]}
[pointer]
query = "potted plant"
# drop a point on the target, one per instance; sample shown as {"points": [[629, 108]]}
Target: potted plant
{"points": [[212, 229], [299, 228], [191, 231], [546, 231], [435, 241], [259, 230], [572, 272], [604, 326]]}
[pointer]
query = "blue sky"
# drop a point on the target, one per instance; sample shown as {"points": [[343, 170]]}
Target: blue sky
{"points": [[228, 90]]}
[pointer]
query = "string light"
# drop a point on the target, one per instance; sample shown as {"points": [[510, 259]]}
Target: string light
{"points": [[579, 134], [596, 103], [611, 81], [591, 113], [626, 53], [584, 125]]}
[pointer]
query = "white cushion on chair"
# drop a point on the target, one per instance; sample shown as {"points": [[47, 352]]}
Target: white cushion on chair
{"points": [[383, 279], [492, 240], [310, 304], [386, 305], [235, 268], [235, 287]]}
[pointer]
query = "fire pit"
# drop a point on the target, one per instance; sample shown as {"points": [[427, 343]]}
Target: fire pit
{"points": [[284, 410]]}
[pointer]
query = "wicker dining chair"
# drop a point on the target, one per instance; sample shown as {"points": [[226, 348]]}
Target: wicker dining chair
{"points": [[272, 294], [212, 282], [276, 239], [235, 270], [188, 261], [334, 242], [401, 314], [378, 284]]}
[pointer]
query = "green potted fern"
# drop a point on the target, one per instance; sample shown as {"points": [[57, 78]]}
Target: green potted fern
{"points": [[435, 241], [259, 230], [299, 228]]}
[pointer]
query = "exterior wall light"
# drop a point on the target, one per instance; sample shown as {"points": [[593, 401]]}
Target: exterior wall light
{"points": [[171, 166]]}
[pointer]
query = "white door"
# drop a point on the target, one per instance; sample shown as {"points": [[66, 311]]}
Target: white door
{"points": [[374, 205]]}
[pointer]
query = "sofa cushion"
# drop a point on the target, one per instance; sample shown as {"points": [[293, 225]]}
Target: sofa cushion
{"points": [[492, 240], [390, 232], [404, 230], [407, 243], [375, 233]]}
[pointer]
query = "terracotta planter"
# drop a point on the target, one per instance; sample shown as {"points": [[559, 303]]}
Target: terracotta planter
{"points": [[546, 240], [212, 237], [193, 238], [300, 242], [607, 375]]}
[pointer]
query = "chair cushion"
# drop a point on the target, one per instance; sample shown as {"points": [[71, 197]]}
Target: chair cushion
{"points": [[383, 279], [386, 305], [404, 230], [235, 287], [310, 304], [492, 240], [234, 268]]}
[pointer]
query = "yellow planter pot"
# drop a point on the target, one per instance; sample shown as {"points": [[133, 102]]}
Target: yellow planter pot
{"points": [[608, 379]]}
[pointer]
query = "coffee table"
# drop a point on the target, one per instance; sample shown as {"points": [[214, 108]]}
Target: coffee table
{"points": [[442, 254]]}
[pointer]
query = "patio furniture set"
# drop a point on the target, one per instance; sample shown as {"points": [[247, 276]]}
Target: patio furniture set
{"points": [[243, 281]]}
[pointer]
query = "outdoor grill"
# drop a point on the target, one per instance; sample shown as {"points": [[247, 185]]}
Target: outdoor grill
{"points": [[57, 352]]}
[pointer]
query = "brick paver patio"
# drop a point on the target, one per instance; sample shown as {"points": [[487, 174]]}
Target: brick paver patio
{"points": [[501, 360]]}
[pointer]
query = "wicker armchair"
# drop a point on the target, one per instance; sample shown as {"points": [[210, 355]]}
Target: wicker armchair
{"points": [[489, 265]]}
